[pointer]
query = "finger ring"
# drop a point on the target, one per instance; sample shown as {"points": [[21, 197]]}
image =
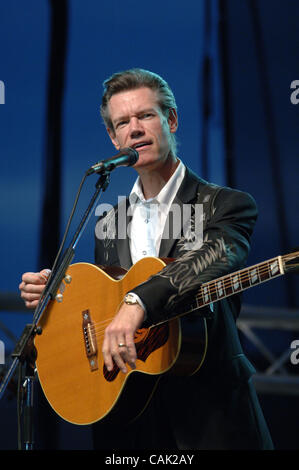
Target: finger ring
{"points": [[121, 345]]}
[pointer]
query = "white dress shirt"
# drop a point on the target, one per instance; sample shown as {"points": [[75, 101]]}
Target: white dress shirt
{"points": [[149, 216]]}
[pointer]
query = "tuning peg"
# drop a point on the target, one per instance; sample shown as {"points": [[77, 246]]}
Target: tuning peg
{"points": [[59, 298], [68, 279]]}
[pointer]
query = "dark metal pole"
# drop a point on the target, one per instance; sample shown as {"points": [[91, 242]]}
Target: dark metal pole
{"points": [[46, 421]]}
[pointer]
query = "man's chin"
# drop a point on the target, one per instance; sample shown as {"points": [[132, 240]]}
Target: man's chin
{"points": [[149, 166]]}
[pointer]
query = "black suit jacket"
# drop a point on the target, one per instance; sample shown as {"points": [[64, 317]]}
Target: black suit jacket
{"points": [[196, 407]]}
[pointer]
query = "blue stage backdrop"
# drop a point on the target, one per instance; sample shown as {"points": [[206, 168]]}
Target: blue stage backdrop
{"points": [[231, 66]]}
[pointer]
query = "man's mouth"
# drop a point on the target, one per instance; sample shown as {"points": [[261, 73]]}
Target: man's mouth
{"points": [[141, 145]]}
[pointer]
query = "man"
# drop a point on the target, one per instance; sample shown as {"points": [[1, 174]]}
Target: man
{"points": [[217, 407]]}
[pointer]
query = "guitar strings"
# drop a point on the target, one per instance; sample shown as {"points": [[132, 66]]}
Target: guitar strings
{"points": [[227, 281], [99, 327]]}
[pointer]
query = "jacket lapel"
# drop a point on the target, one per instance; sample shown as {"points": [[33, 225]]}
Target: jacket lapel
{"points": [[187, 194]]}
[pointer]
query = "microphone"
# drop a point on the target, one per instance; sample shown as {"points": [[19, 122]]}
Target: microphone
{"points": [[126, 157]]}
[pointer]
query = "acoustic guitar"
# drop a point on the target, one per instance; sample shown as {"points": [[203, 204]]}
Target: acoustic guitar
{"points": [[69, 361]]}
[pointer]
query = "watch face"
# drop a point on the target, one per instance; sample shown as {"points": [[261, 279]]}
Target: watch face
{"points": [[130, 299]]}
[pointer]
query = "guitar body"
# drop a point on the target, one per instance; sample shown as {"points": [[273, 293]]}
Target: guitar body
{"points": [[69, 361]]}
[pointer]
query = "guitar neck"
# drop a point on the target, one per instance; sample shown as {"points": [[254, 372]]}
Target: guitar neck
{"points": [[239, 281]]}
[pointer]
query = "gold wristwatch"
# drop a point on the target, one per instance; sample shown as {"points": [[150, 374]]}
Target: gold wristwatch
{"points": [[131, 299]]}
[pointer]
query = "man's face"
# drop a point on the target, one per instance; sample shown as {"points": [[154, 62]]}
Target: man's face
{"points": [[138, 122]]}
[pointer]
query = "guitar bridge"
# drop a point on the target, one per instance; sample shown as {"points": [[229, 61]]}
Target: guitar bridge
{"points": [[90, 341]]}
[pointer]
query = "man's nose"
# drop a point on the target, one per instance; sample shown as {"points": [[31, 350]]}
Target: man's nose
{"points": [[136, 127]]}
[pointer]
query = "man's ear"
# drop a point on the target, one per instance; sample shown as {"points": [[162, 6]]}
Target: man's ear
{"points": [[173, 120], [113, 138]]}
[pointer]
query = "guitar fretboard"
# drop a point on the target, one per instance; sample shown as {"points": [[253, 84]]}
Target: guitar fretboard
{"points": [[238, 281]]}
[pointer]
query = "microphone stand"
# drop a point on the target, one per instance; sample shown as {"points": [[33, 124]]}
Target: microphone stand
{"points": [[25, 351]]}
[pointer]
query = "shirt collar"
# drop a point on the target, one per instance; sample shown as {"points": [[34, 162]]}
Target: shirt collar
{"points": [[166, 194]]}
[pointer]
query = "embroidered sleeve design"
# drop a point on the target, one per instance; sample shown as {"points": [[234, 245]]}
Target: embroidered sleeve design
{"points": [[187, 273]]}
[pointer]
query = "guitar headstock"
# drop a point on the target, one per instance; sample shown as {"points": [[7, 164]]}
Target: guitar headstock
{"points": [[291, 261]]}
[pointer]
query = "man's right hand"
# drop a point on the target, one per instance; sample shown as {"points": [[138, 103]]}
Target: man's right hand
{"points": [[32, 286]]}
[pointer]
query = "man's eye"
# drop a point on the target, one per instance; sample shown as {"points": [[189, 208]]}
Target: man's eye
{"points": [[121, 123], [146, 115]]}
